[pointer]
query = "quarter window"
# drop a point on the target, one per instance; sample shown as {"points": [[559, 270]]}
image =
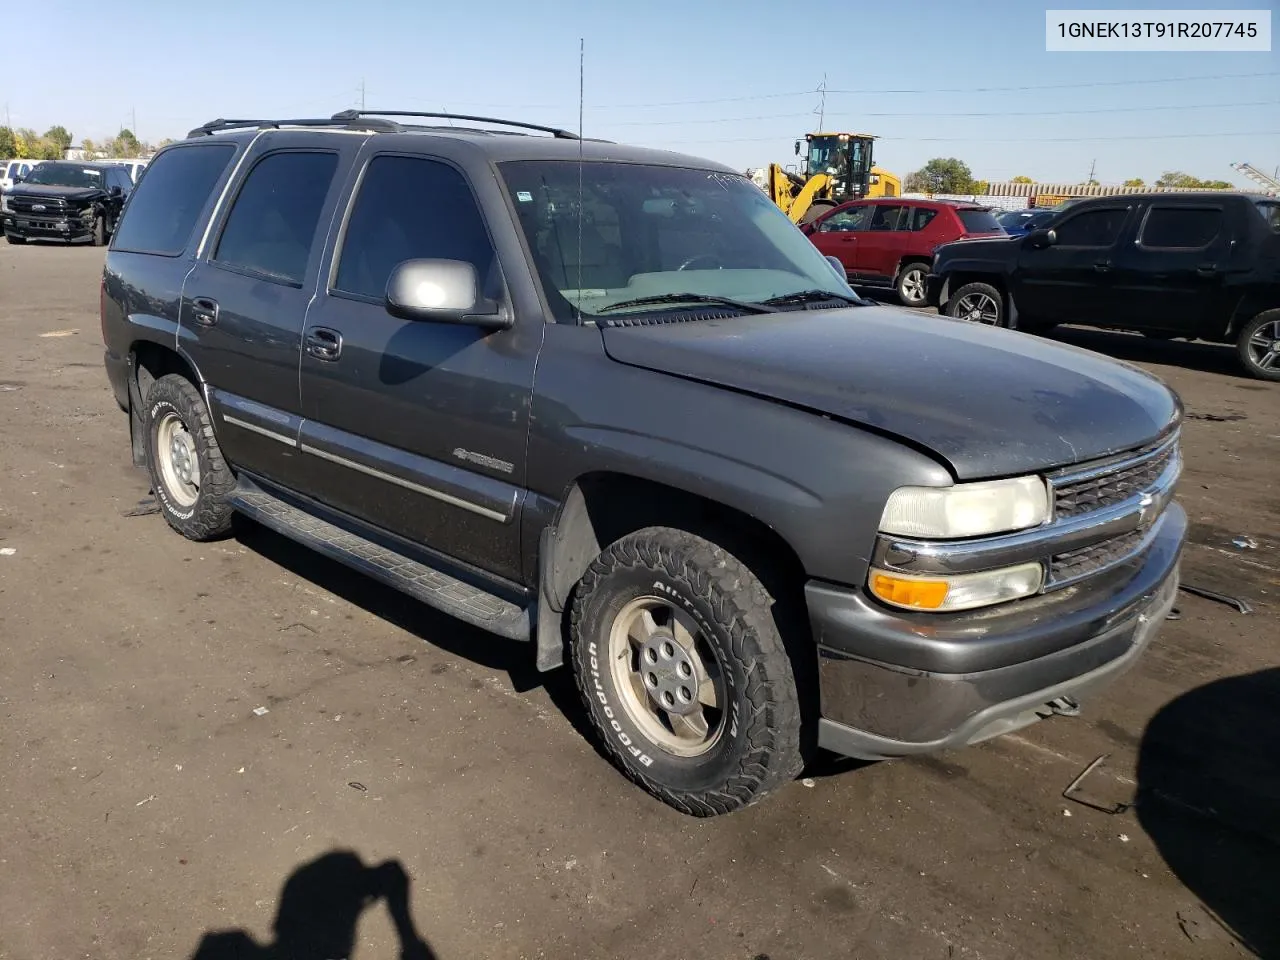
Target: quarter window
{"points": [[162, 214], [921, 217], [1188, 228], [1093, 228], [272, 224], [410, 208]]}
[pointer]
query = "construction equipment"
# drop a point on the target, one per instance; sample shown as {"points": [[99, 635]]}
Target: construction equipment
{"points": [[1269, 183], [838, 167]]}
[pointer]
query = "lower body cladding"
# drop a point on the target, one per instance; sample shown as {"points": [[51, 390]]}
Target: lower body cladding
{"points": [[895, 684]]}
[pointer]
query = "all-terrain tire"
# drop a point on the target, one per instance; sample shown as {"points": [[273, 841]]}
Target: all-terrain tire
{"points": [[759, 747], [1265, 327], [209, 517]]}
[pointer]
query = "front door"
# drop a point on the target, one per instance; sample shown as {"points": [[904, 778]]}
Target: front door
{"points": [[418, 427], [1172, 277], [881, 245], [836, 234], [245, 298], [1071, 281]]}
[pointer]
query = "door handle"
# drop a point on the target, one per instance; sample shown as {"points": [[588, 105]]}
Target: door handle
{"points": [[1207, 269], [848, 239], [1102, 266], [323, 343], [204, 311]]}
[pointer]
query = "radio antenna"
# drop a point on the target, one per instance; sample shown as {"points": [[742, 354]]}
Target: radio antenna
{"points": [[581, 89]]}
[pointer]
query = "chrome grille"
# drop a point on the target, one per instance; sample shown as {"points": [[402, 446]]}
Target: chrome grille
{"points": [[1077, 494], [1091, 559]]}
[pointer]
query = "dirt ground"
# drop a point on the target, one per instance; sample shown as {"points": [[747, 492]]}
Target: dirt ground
{"points": [[146, 802]]}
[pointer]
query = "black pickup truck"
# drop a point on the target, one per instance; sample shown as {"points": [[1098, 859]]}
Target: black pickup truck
{"points": [[66, 201], [1199, 265], [611, 402]]}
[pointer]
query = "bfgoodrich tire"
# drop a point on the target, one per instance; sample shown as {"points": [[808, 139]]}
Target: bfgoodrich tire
{"points": [[192, 481], [684, 674]]}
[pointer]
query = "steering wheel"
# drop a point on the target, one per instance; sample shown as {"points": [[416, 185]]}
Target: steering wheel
{"points": [[702, 256]]}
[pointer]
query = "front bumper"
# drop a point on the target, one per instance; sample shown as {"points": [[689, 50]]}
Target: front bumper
{"points": [[34, 227], [895, 684]]}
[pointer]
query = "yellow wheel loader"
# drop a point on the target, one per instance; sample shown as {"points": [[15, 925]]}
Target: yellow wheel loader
{"points": [[837, 167]]}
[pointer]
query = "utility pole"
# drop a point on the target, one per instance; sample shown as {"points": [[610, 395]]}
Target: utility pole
{"points": [[1093, 165], [822, 103], [362, 93], [133, 113]]}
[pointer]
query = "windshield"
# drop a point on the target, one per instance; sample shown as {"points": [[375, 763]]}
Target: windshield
{"points": [[605, 232], [64, 175]]}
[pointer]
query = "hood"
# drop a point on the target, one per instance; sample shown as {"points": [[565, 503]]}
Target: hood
{"points": [[993, 245], [990, 402], [51, 190]]}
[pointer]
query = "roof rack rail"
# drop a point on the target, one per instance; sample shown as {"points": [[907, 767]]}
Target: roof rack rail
{"points": [[356, 123], [353, 115]]}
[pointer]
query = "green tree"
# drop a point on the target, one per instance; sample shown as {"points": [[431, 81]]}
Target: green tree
{"points": [[1021, 179], [1135, 182], [1215, 185], [8, 144], [942, 175], [28, 144], [59, 135], [124, 145], [1176, 178], [89, 148]]}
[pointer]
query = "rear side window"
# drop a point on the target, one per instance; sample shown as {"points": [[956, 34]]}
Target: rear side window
{"points": [[979, 221], [161, 215], [1271, 214], [410, 208], [1093, 228], [1188, 228], [272, 224], [921, 217]]}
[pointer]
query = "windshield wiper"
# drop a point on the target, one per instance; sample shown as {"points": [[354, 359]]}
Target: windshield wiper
{"points": [[813, 296], [746, 305]]}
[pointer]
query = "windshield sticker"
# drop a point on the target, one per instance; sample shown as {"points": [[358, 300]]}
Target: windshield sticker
{"points": [[524, 196], [92, 173]]}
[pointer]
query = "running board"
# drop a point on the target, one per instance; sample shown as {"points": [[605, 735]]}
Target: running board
{"points": [[439, 590]]}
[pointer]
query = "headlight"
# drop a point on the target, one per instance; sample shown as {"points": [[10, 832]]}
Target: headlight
{"points": [[959, 592], [966, 509]]}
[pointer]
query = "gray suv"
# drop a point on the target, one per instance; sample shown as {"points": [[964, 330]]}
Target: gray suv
{"points": [[612, 402]]}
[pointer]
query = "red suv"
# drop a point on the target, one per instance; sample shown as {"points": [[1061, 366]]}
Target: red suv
{"points": [[889, 241]]}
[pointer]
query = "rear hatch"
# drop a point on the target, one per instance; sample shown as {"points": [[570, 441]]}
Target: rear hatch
{"points": [[978, 222]]}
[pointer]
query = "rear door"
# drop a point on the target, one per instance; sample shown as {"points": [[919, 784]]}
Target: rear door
{"points": [[1070, 281], [836, 234], [880, 246], [246, 297], [1171, 278]]}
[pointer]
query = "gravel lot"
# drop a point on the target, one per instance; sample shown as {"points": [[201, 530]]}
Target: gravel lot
{"points": [[145, 803]]}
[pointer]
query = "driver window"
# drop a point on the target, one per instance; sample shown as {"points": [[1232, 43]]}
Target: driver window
{"points": [[843, 221]]}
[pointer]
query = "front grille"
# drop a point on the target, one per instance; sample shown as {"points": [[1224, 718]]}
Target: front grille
{"points": [[1091, 559], [1075, 497], [26, 205]]}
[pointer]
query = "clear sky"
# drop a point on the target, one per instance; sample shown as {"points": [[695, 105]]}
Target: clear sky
{"points": [[732, 81]]}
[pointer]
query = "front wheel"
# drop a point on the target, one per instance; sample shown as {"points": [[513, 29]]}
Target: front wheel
{"points": [[684, 674], [1259, 346], [100, 231], [977, 303], [910, 285]]}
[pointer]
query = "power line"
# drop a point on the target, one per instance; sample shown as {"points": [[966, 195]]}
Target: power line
{"points": [[1162, 136], [1025, 88], [951, 113]]}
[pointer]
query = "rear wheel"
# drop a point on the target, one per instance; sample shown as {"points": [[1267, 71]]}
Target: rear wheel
{"points": [[683, 672], [910, 284], [977, 303], [1259, 346], [192, 481]]}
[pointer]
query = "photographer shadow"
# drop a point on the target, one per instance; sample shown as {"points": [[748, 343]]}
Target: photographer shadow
{"points": [[319, 910], [1209, 791]]}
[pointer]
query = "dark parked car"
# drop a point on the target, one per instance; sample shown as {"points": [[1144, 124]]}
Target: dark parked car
{"points": [[889, 241], [67, 201], [1200, 265], [611, 402], [1017, 222]]}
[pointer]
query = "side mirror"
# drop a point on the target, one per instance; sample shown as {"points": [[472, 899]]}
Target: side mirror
{"points": [[838, 267], [797, 148], [441, 291], [1039, 239], [116, 191]]}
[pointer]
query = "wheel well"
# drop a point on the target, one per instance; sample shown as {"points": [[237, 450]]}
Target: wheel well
{"points": [[913, 258], [957, 280], [602, 508], [152, 361]]}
